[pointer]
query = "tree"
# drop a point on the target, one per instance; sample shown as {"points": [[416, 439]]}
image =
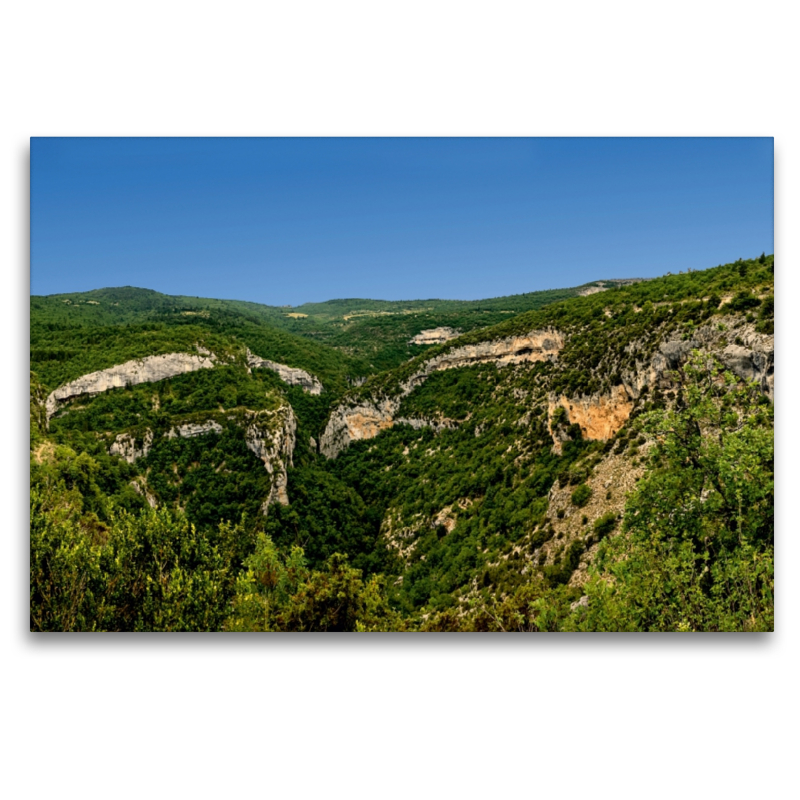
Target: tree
{"points": [[140, 572], [698, 534], [280, 593]]}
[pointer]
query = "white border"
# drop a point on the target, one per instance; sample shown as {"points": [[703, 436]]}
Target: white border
{"points": [[614, 716]]}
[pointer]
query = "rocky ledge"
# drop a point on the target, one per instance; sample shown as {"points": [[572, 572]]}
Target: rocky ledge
{"points": [[530, 347], [354, 421], [131, 373], [434, 336], [751, 357], [291, 375]]}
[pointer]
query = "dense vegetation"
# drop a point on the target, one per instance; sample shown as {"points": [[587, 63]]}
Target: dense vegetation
{"points": [[445, 527], [72, 334]]}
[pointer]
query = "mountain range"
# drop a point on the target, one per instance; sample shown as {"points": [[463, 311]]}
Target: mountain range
{"points": [[593, 458]]}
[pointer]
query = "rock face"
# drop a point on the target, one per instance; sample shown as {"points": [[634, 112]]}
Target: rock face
{"points": [[753, 361], [353, 423], [366, 419], [530, 347], [126, 446], [434, 336], [131, 373], [140, 487], [751, 357], [600, 416], [190, 429], [269, 435], [291, 375]]}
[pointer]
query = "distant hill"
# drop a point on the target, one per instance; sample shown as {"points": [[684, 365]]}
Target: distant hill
{"points": [[373, 334]]}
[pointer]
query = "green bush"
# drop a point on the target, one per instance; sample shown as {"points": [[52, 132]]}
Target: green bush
{"points": [[581, 496], [604, 525], [766, 316], [743, 301]]}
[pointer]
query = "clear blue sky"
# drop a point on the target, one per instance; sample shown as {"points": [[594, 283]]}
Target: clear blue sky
{"points": [[285, 221]]}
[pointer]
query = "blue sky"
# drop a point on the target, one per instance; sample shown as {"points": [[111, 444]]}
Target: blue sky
{"points": [[286, 221]]}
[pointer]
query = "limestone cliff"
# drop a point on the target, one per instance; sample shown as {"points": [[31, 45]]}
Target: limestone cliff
{"points": [[366, 420], [746, 353], [530, 347], [352, 421], [753, 360], [434, 336], [269, 435], [734, 341], [127, 446], [131, 373], [291, 375], [599, 416]]}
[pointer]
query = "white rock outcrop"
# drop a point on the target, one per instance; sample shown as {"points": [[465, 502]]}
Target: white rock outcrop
{"points": [[751, 358], [128, 447], [131, 373], [434, 336], [351, 422], [192, 429], [291, 375], [270, 435], [530, 347]]}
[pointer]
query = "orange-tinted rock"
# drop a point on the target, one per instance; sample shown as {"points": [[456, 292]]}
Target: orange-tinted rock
{"points": [[599, 416]]}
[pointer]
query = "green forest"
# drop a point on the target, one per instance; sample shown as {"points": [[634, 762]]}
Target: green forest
{"points": [[625, 482]]}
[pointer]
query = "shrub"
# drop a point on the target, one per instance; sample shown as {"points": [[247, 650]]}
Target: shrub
{"points": [[604, 525], [574, 432], [743, 301], [541, 536], [766, 315], [580, 497]]}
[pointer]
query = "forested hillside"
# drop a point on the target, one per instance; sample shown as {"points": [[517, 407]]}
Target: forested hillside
{"points": [[369, 335], [598, 458]]}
